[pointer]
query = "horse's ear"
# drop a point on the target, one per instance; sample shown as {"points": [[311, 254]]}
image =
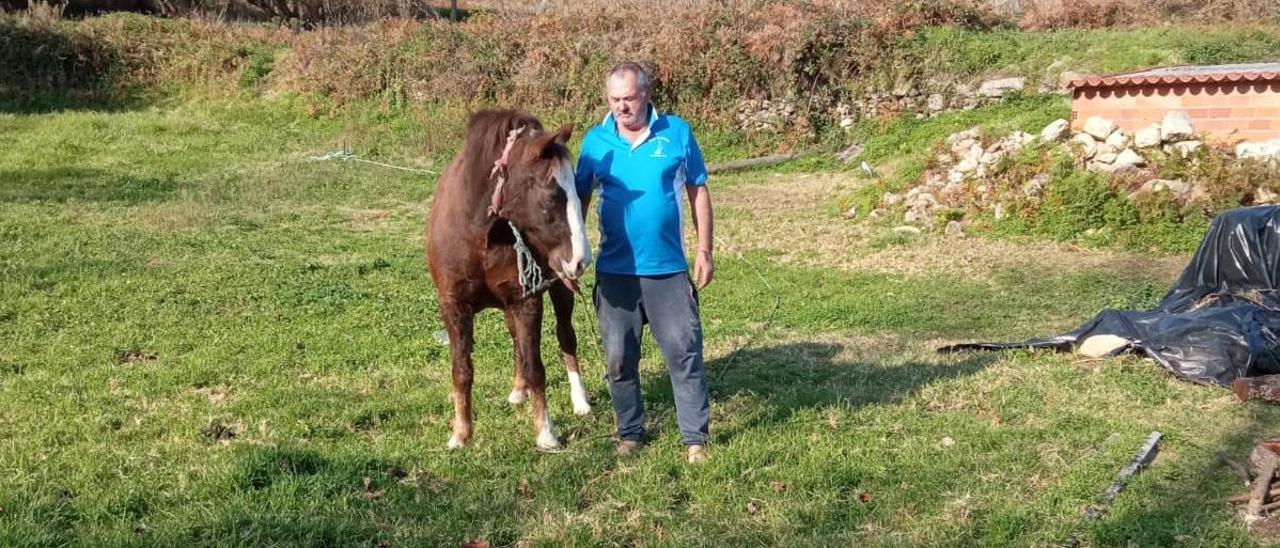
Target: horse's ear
{"points": [[563, 134], [560, 137]]}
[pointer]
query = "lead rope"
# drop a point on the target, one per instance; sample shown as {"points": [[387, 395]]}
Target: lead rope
{"points": [[531, 279]]}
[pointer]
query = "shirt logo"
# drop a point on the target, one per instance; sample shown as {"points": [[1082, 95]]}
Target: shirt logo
{"points": [[657, 149]]}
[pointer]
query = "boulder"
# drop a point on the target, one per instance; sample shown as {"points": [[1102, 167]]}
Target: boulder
{"points": [[1266, 150], [1055, 131], [1118, 139], [937, 102], [1185, 148], [1099, 128], [955, 139], [1088, 146], [1176, 127], [1147, 137], [1001, 86], [1129, 158]]}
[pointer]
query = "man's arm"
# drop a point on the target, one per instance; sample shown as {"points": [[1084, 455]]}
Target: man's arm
{"points": [[704, 222]]}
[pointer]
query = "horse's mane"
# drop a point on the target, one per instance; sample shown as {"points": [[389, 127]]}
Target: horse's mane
{"points": [[487, 132]]}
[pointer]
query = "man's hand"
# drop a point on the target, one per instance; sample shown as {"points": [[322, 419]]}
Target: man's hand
{"points": [[703, 269]]}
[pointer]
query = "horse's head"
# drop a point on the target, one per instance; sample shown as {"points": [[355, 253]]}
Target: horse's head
{"points": [[540, 198]]}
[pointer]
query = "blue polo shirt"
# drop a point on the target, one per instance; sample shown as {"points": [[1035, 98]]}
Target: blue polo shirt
{"points": [[641, 193]]}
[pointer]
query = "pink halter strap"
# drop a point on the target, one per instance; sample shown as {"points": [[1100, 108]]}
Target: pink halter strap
{"points": [[500, 169]]}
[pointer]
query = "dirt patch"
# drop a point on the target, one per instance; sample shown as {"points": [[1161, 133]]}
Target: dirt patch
{"points": [[136, 357], [366, 220], [804, 230]]}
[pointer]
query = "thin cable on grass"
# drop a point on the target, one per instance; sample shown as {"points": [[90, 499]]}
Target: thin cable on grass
{"points": [[345, 155]]}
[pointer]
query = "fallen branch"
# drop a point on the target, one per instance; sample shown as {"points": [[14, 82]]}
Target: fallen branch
{"points": [[1241, 471], [1240, 499], [1140, 460], [1262, 484], [751, 162], [1265, 388]]}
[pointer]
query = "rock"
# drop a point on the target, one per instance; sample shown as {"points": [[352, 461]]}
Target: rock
{"points": [[846, 123], [945, 159], [1099, 346], [1106, 158], [1118, 140], [991, 157], [853, 151], [962, 147], [1055, 131], [1088, 146], [1099, 128], [1266, 150], [904, 89], [1129, 158], [1001, 87], [926, 199], [968, 135], [1147, 137], [954, 229], [1176, 127], [1018, 139], [1179, 189], [1104, 148], [999, 212], [955, 176], [1197, 193], [1265, 196], [1185, 148], [906, 229], [890, 199], [851, 214], [1034, 188], [937, 102]]}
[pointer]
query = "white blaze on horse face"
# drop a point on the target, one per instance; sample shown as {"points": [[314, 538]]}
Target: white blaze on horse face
{"points": [[577, 230], [578, 394]]}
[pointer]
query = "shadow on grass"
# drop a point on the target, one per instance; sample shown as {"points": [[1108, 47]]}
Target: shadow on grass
{"points": [[66, 184], [805, 375]]}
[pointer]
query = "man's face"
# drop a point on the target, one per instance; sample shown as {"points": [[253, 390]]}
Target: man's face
{"points": [[627, 101]]}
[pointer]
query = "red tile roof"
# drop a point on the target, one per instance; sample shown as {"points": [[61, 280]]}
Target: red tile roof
{"points": [[1251, 72]]}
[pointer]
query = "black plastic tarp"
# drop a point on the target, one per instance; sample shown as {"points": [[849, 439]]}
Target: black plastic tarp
{"points": [[1221, 320]]}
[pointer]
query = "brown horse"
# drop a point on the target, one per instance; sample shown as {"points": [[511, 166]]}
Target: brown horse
{"points": [[505, 212]]}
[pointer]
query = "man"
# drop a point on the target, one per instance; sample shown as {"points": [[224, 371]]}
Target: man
{"points": [[642, 160]]}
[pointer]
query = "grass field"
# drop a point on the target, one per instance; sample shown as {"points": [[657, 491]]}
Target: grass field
{"points": [[207, 340]]}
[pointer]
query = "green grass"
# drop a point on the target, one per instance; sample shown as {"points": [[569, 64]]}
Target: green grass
{"points": [[207, 340]]}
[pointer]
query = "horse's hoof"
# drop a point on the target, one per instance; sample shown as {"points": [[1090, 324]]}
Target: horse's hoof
{"points": [[516, 397], [455, 443], [547, 441], [581, 408]]}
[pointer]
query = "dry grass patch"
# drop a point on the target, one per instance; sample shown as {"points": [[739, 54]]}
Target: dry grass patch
{"points": [[790, 218]]}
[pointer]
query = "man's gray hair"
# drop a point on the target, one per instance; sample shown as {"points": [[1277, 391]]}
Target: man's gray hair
{"points": [[642, 75]]}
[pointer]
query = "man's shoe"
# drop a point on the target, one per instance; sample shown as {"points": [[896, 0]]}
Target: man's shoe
{"points": [[697, 453], [626, 448]]}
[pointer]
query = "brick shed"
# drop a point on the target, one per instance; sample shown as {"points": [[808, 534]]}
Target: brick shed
{"points": [[1225, 102]]}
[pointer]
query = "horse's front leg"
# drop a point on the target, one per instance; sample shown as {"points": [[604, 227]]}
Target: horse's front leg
{"points": [[518, 390], [528, 322], [459, 322], [562, 303]]}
